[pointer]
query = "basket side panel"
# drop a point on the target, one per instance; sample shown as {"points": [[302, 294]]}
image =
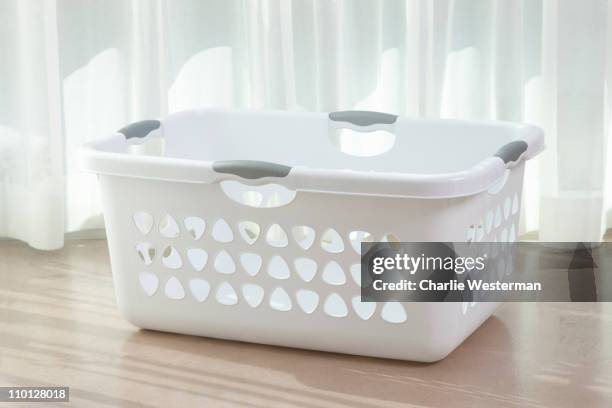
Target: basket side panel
{"points": [[268, 306]]}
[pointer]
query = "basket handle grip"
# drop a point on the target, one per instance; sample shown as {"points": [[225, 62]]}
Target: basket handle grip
{"points": [[251, 169], [140, 129], [512, 152], [527, 146], [364, 121]]}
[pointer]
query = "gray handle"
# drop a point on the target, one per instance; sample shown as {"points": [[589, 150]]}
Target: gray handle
{"points": [[140, 129], [363, 118], [512, 151], [251, 169]]}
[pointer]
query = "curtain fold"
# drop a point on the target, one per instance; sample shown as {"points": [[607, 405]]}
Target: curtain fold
{"points": [[75, 70]]}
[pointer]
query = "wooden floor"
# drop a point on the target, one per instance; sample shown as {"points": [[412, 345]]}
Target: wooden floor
{"points": [[59, 326]]}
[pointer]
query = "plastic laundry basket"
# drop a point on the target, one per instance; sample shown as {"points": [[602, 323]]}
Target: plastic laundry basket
{"points": [[246, 225]]}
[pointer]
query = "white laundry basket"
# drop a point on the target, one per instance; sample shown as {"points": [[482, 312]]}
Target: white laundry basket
{"points": [[246, 225]]}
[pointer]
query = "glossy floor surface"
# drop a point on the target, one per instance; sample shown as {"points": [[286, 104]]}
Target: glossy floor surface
{"points": [[59, 326]]}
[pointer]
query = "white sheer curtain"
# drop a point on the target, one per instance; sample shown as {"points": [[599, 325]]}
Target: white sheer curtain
{"points": [[74, 70]]}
